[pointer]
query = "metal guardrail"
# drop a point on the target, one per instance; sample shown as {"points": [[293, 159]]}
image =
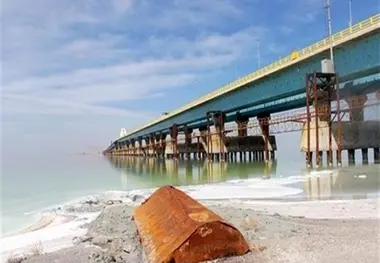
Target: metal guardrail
{"points": [[296, 56]]}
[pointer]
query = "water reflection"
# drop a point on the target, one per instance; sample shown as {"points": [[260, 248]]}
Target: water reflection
{"points": [[154, 172], [351, 182], [355, 182]]}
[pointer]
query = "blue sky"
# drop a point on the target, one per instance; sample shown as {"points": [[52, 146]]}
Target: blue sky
{"points": [[74, 72]]}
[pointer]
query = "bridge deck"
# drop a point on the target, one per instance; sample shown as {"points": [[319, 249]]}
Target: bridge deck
{"points": [[300, 57]]}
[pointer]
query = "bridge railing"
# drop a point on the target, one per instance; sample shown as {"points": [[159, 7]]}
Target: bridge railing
{"points": [[294, 57]]}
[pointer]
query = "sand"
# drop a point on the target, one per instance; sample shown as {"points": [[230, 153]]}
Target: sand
{"points": [[286, 233]]}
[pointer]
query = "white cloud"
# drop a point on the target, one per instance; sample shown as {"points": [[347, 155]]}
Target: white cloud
{"points": [[73, 59], [121, 6], [305, 11], [196, 13]]}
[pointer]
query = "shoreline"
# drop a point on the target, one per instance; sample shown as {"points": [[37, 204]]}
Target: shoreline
{"points": [[75, 218], [101, 241], [65, 226]]}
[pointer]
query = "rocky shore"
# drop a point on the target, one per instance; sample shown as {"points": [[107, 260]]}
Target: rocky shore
{"points": [[112, 236]]}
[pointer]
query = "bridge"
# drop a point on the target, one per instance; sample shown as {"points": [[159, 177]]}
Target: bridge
{"points": [[277, 87]]}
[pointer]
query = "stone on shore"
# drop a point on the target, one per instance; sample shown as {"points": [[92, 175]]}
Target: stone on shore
{"points": [[273, 238]]}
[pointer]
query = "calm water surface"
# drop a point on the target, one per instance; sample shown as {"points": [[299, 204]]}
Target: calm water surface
{"points": [[31, 185]]}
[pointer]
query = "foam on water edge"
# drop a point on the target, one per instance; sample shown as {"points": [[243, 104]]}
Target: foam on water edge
{"points": [[60, 235]]}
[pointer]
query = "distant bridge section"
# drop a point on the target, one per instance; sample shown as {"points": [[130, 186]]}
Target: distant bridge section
{"points": [[280, 86]]}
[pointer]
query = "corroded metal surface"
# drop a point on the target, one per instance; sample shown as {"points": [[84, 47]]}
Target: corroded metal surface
{"points": [[173, 227]]}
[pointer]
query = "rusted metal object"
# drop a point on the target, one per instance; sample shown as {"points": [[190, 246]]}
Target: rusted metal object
{"points": [[173, 227]]}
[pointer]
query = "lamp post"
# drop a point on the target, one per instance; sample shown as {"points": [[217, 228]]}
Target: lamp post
{"points": [[258, 53], [350, 12], [330, 31]]}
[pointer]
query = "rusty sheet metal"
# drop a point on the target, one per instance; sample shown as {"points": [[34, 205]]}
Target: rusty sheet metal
{"points": [[173, 227]]}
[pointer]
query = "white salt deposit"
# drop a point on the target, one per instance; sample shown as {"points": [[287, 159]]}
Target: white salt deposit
{"points": [[57, 234]]}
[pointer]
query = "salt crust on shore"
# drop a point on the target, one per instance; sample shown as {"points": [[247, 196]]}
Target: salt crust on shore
{"points": [[56, 229]]}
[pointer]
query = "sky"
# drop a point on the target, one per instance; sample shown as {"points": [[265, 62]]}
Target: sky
{"points": [[74, 72]]}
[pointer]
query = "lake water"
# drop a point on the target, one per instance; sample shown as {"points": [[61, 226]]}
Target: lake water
{"points": [[31, 185]]}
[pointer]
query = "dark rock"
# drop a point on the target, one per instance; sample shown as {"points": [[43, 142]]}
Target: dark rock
{"points": [[18, 259], [78, 240], [113, 202], [100, 240], [101, 257], [137, 198], [93, 200]]}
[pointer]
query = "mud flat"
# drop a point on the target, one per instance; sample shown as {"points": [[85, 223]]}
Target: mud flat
{"points": [[287, 234]]}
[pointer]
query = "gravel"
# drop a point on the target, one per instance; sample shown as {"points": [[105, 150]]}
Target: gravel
{"points": [[112, 237]]}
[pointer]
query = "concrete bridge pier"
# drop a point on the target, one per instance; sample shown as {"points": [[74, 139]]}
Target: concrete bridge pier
{"points": [[126, 148], [152, 146], [316, 136], [144, 148], [140, 148], [133, 147], [129, 148], [365, 155], [264, 125], [163, 144], [171, 149], [204, 138], [376, 154], [160, 145], [242, 123], [219, 120], [122, 148], [213, 142], [197, 155], [356, 114], [188, 140]]}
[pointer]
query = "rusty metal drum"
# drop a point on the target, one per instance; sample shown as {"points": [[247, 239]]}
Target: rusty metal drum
{"points": [[173, 227]]}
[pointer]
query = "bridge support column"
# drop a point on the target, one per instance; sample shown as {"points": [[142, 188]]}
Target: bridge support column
{"points": [[129, 152], [204, 138], [121, 148], [116, 152], [264, 125], [317, 135], [376, 155], [146, 147], [126, 148], [133, 147], [171, 149], [356, 111], [188, 140], [140, 150], [365, 155], [242, 122], [152, 145], [162, 144], [218, 137], [158, 145], [198, 154]]}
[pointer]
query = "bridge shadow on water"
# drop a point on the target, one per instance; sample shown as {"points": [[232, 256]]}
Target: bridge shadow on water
{"points": [[348, 182]]}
